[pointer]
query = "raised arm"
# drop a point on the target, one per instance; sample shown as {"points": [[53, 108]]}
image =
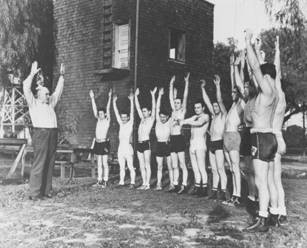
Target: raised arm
{"points": [[277, 59], [28, 82], [231, 63], [217, 82], [171, 92], [54, 98], [137, 104], [255, 65], [238, 79], [109, 105], [259, 53], [94, 107], [153, 103], [131, 106], [186, 91], [206, 97], [160, 94], [196, 121], [116, 109]]}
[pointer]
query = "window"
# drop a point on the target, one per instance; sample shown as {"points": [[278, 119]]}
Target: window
{"points": [[177, 43], [121, 46]]}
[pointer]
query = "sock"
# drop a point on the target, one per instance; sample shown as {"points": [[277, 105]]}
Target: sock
{"points": [[263, 214], [282, 211], [274, 211], [252, 198]]}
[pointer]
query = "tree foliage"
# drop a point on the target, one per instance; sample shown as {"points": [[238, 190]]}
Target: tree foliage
{"points": [[26, 34]]}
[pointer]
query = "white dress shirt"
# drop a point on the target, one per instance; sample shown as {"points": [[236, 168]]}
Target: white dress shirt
{"points": [[42, 114]]}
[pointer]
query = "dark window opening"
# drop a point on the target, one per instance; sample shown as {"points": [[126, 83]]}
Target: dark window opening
{"points": [[177, 45]]}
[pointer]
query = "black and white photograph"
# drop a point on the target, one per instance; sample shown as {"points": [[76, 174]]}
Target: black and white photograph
{"points": [[153, 123]]}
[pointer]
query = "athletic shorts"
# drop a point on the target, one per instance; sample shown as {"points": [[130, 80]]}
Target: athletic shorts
{"points": [[245, 147], [163, 149], [143, 146], [177, 143], [232, 141], [101, 148], [281, 145], [264, 146], [215, 145], [125, 150]]}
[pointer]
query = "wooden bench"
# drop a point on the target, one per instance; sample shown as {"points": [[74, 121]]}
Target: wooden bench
{"points": [[73, 151]]}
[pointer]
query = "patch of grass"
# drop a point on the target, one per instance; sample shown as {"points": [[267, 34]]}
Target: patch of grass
{"points": [[217, 214]]}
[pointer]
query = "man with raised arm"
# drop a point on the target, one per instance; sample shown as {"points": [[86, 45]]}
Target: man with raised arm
{"points": [[216, 153], [179, 107], [125, 150], [147, 117], [102, 144], [278, 200], [44, 139], [199, 125], [163, 132], [264, 145], [232, 139]]}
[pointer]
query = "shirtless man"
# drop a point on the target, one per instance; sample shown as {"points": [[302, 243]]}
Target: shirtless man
{"points": [[147, 117], [102, 144], [277, 194], [232, 139], [163, 132], [125, 150], [216, 153], [264, 145], [179, 107]]}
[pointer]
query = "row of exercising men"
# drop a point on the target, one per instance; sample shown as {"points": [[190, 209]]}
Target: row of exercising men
{"points": [[259, 101]]}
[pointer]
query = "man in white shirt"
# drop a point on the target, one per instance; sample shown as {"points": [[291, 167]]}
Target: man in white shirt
{"points": [[44, 121]]}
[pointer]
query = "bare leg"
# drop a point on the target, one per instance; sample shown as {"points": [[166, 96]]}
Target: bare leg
{"points": [[197, 177], [159, 170], [174, 158], [183, 167], [170, 170], [99, 167], [131, 169], [278, 183], [105, 168], [272, 190], [227, 156], [220, 162], [142, 166], [235, 160], [215, 174], [252, 190], [122, 172], [201, 163], [147, 155], [261, 180]]}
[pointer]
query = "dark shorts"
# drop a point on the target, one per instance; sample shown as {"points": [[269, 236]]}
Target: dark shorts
{"points": [[163, 149], [143, 146], [245, 147], [264, 146], [177, 143], [215, 145], [101, 148]]}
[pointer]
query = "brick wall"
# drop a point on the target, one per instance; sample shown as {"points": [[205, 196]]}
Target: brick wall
{"points": [[82, 43]]}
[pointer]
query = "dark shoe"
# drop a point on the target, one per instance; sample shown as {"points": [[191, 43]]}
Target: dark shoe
{"points": [[203, 192], [251, 207], [182, 190], [213, 195], [222, 196], [175, 189], [273, 220], [282, 220], [260, 225], [195, 191], [48, 195], [35, 198]]}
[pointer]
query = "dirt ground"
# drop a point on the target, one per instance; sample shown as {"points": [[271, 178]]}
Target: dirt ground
{"points": [[80, 215]]}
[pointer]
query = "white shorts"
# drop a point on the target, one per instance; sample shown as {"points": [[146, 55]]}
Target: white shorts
{"points": [[281, 145], [197, 144], [125, 151]]}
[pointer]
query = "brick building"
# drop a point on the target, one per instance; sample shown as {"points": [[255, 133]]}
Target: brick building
{"points": [[97, 41]]}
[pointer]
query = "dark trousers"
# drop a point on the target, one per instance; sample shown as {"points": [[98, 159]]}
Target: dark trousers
{"points": [[44, 149]]}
